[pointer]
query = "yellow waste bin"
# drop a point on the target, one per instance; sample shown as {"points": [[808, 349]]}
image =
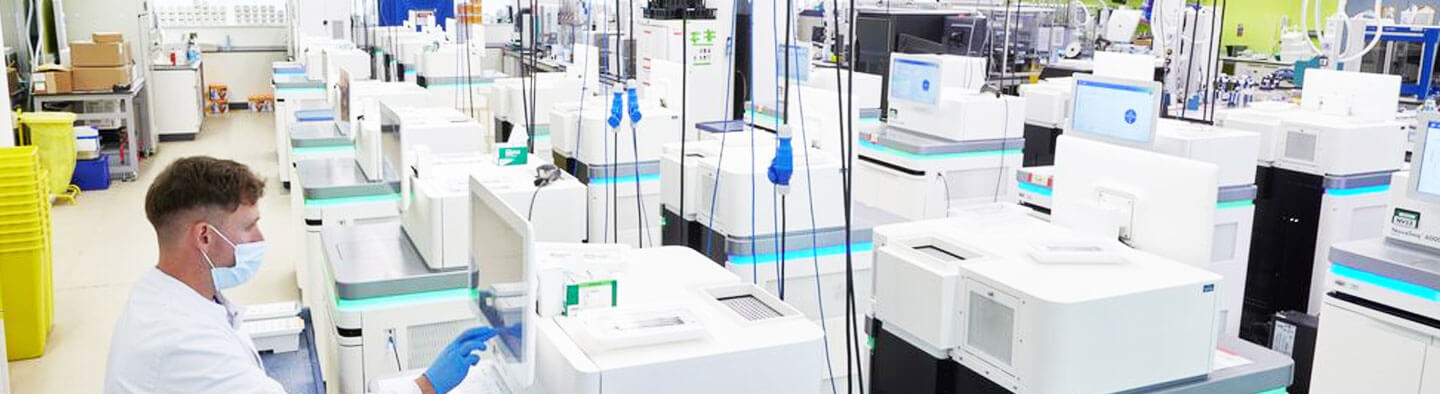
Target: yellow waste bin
{"points": [[54, 134], [26, 282]]}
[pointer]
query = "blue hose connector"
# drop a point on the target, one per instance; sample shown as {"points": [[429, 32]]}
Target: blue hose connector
{"points": [[634, 104], [782, 167], [615, 114]]}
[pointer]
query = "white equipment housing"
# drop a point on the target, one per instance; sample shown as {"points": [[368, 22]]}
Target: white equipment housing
{"points": [[958, 79], [1328, 145], [660, 50], [367, 96], [1262, 118], [437, 220], [289, 100], [436, 130], [611, 162], [509, 100], [1048, 103], [944, 145], [445, 60], [352, 60], [1380, 299], [1325, 144], [770, 348], [968, 288], [1233, 153]]}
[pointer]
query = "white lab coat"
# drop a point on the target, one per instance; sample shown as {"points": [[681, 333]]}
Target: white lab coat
{"points": [[170, 339]]}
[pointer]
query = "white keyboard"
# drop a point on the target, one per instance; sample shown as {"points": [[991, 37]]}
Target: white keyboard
{"points": [[262, 327], [271, 310]]}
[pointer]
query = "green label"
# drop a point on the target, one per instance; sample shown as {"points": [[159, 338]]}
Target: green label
{"points": [[596, 294], [1406, 218], [513, 156]]}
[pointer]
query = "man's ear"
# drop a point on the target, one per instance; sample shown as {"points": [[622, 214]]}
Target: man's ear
{"points": [[198, 233]]}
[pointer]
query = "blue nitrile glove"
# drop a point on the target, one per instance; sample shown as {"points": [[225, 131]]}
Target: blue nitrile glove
{"points": [[453, 363], [616, 112]]}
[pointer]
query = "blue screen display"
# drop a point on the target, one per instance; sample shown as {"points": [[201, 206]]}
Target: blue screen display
{"points": [[917, 81], [1114, 110]]}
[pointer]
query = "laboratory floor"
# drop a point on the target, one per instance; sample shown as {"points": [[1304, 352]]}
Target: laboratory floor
{"points": [[103, 244]]}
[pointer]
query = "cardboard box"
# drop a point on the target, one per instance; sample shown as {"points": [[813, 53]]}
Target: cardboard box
{"points": [[105, 54], [106, 36], [51, 80], [88, 79], [12, 76]]}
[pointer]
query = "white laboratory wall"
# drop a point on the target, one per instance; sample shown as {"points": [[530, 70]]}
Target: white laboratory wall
{"points": [[243, 73], [83, 17]]}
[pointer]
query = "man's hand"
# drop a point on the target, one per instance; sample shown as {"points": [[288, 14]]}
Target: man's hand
{"points": [[453, 363]]}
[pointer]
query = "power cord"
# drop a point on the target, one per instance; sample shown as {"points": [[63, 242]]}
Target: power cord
{"points": [[394, 349], [545, 175]]}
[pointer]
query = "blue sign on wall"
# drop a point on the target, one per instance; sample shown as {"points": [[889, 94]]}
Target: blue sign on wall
{"points": [[394, 12]]}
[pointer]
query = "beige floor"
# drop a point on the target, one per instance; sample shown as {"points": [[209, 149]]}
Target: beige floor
{"points": [[103, 244]]}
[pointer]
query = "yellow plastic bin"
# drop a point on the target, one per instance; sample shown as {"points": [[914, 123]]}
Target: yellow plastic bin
{"points": [[54, 134], [27, 307], [26, 283]]}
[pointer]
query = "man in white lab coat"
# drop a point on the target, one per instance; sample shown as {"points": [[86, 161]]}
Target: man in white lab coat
{"points": [[178, 332]]}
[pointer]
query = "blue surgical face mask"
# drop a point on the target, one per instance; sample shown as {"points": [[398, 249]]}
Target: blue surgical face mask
{"points": [[248, 257]]}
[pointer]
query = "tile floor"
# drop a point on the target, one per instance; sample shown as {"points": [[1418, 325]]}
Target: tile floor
{"points": [[103, 244]]}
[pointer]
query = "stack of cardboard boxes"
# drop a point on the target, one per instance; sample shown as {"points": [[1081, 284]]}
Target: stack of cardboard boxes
{"points": [[50, 79], [102, 63]]}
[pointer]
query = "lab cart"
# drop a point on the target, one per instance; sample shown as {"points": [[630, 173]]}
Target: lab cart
{"points": [[132, 111]]}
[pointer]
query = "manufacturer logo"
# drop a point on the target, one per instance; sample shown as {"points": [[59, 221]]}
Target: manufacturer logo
{"points": [[1405, 218], [1130, 116], [1208, 288]]}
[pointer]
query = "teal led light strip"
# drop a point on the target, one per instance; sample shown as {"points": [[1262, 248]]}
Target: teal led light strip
{"points": [[400, 300], [1037, 189], [312, 150], [624, 179], [1235, 204], [1358, 190], [1386, 282], [938, 156], [762, 119], [800, 254], [321, 202], [1278, 390]]}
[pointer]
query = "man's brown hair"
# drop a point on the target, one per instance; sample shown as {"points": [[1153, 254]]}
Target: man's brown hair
{"points": [[200, 182]]}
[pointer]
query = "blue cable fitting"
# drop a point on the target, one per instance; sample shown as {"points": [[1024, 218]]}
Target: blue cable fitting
{"points": [[634, 104], [782, 167], [615, 114]]}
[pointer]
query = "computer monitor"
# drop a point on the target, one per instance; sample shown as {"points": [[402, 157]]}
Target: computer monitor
{"points": [[1115, 110], [503, 279], [915, 80], [1425, 163]]}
